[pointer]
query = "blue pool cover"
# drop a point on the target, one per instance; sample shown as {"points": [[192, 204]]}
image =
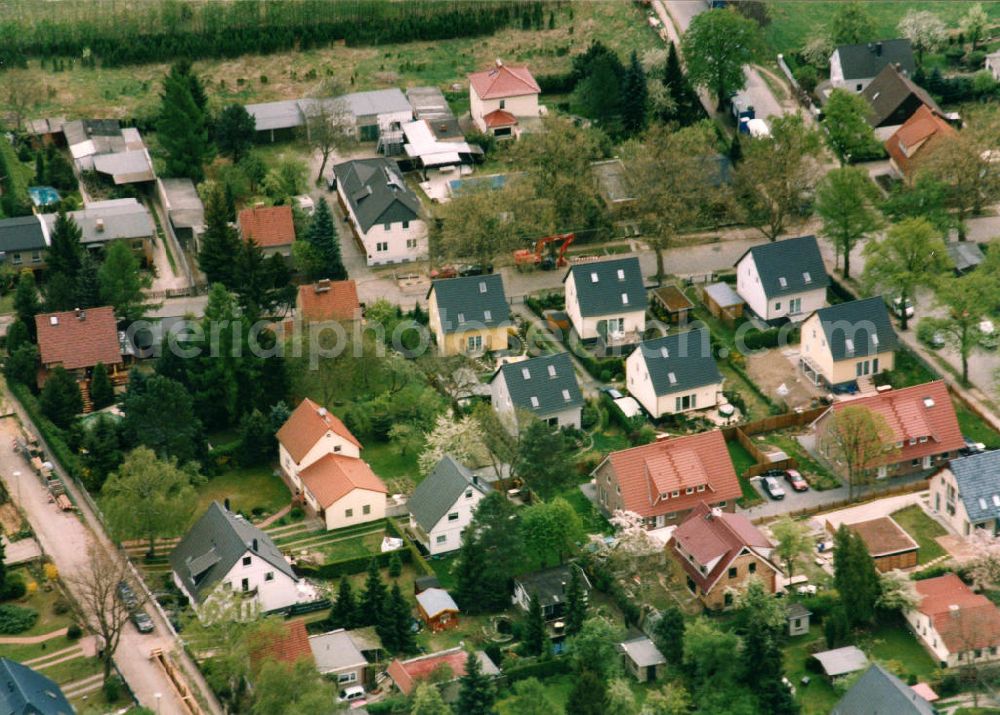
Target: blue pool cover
{"points": [[43, 195]]}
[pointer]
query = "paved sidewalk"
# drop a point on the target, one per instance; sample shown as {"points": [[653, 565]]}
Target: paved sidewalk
{"points": [[30, 640]]}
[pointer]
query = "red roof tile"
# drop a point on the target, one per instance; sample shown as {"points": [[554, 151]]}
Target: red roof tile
{"points": [[647, 472], [883, 536], [328, 300], [307, 425], [964, 620], [715, 539], [269, 226], [333, 476], [78, 339], [910, 418], [499, 118], [914, 137], [405, 673], [502, 81], [289, 646]]}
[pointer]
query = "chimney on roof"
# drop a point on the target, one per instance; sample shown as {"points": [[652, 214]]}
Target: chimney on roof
{"points": [[499, 63], [716, 511], [321, 412], [323, 285], [475, 479], [953, 610], [99, 225], [80, 314], [878, 49], [226, 503]]}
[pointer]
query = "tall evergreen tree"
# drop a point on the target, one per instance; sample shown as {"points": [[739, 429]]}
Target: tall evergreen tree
{"points": [[234, 132], [61, 401], [323, 239], [634, 97], [263, 284], [669, 635], [26, 301], [345, 609], [17, 335], [220, 243], [855, 577], [102, 393], [65, 253], [687, 107], [576, 603], [88, 283], [185, 70], [588, 696], [182, 128], [374, 597], [393, 626], [476, 694], [122, 284], [22, 365], [471, 573], [536, 640]]}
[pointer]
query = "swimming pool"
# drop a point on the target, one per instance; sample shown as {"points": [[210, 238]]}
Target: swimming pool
{"points": [[494, 182], [43, 195]]}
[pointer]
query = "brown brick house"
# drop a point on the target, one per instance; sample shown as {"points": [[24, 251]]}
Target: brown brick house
{"points": [[663, 481], [719, 553]]}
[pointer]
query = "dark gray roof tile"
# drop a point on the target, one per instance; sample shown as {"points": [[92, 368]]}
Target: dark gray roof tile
{"points": [[790, 266], [868, 59], [879, 692], [544, 385], [858, 328], [680, 362], [24, 691], [471, 302], [609, 287], [439, 491], [376, 191], [978, 477]]}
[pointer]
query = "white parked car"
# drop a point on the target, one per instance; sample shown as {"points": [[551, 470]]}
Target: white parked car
{"points": [[897, 307]]}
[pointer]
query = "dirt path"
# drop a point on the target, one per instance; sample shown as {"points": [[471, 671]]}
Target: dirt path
{"points": [[31, 640]]}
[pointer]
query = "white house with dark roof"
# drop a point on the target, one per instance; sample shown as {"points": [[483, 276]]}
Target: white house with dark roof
{"points": [[469, 315], [879, 692], [783, 279], [24, 691], [606, 300], [853, 67], [442, 505], [544, 386], [966, 493], [383, 211], [224, 553], [673, 374], [843, 342], [24, 241]]}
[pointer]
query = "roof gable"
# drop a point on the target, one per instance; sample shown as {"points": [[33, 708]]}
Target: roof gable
{"points": [[549, 585], [290, 645], [214, 544], [978, 478], [439, 490], [328, 300], [376, 192], [503, 81], [964, 620], [23, 233], [888, 91], [543, 385], [680, 362], [24, 691], [78, 339], [307, 425], [858, 328], [793, 265], [867, 59], [333, 476], [609, 287], [878, 691], [268, 226], [471, 302]]}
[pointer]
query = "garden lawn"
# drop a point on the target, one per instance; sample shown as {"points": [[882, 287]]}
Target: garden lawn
{"points": [[820, 478], [909, 370], [593, 521], [923, 529], [386, 461], [975, 428], [741, 458], [249, 490], [609, 440], [892, 641], [819, 697]]}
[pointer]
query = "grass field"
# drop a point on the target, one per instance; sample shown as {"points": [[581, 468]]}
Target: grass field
{"points": [[792, 24], [975, 429], [246, 489], [923, 529], [134, 91], [741, 460]]}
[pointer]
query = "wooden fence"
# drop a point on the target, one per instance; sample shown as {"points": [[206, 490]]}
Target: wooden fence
{"points": [[761, 458]]}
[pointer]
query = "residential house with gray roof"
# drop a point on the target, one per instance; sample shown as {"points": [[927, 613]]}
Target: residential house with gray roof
{"points": [[966, 493], [893, 98], [24, 691], [549, 586], [384, 213], [783, 280], [104, 222], [543, 386], [24, 241], [673, 374], [879, 692], [442, 505], [337, 655], [853, 67], [224, 553], [469, 315], [843, 342], [607, 300]]}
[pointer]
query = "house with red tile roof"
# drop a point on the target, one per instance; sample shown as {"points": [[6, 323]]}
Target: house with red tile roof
{"points": [[289, 645], [663, 481], [407, 674], [321, 462], [270, 227], [719, 553], [958, 627], [923, 423], [915, 138], [500, 96], [327, 300], [77, 340]]}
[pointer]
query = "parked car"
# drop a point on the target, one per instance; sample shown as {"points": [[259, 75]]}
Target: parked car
{"points": [[797, 481], [971, 447], [352, 694], [127, 596], [142, 622], [475, 269], [773, 488], [612, 393], [899, 309]]}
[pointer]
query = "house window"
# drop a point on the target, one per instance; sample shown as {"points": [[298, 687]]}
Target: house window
{"points": [[616, 326], [338, 447], [685, 402], [671, 515], [475, 342], [689, 490], [347, 677], [387, 226], [727, 599], [721, 504], [752, 568], [441, 538], [453, 516], [247, 560], [406, 225], [468, 493], [795, 305], [366, 509], [411, 243], [777, 306], [381, 246], [245, 585], [137, 245], [732, 572], [349, 513], [16, 258], [858, 87], [503, 104], [36, 257], [701, 487], [269, 576], [674, 494]]}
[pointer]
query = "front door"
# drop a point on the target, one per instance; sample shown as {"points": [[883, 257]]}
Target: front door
{"points": [[927, 462]]}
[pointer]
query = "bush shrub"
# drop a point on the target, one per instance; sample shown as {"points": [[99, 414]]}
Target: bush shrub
{"points": [[16, 619], [540, 668], [74, 632], [821, 604], [14, 587], [60, 606], [112, 689]]}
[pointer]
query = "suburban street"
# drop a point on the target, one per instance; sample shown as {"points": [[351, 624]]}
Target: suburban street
{"points": [[67, 539]]}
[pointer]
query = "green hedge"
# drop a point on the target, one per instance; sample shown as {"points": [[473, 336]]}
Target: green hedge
{"points": [[348, 567], [540, 669], [52, 435], [417, 559]]}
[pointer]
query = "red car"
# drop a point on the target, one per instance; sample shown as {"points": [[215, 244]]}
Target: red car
{"points": [[797, 481]]}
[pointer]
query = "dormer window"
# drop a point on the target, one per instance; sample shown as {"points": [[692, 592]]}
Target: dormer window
{"points": [[534, 402], [621, 274], [674, 494], [624, 298], [701, 487], [689, 490], [594, 278], [552, 370], [922, 440], [913, 441], [482, 286]]}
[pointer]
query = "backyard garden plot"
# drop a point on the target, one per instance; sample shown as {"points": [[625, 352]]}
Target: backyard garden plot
{"points": [[331, 546]]}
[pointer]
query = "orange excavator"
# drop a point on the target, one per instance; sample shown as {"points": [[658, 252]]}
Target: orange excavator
{"points": [[544, 255]]}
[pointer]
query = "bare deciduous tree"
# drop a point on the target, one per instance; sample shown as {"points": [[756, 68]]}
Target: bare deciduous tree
{"points": [[860, 441], [329, 126], [21, 93], [98, 602]]}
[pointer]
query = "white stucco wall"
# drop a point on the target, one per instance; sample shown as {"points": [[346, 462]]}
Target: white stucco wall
{"points": [[336, 515], [451, 530], [521, 106], [504, 407], [640, 386], [750, 289], [586, 328]]}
